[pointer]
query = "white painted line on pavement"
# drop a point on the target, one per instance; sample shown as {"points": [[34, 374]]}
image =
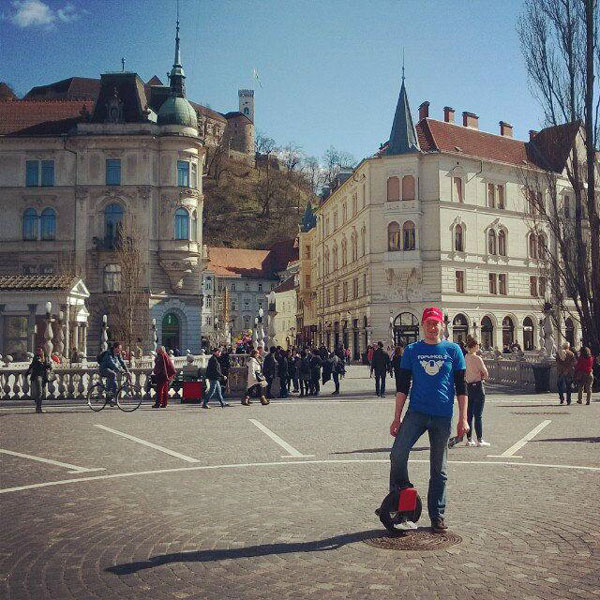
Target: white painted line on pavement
{"points": [[515, 447], [49, 461], [149, 444], [285, 463], [290, 449]]}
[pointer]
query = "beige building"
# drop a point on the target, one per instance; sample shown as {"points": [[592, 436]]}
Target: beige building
{"points": [[285, 313], [438, 216]]}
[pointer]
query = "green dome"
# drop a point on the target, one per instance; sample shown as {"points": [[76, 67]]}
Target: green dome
{"points": [[177, 111]]}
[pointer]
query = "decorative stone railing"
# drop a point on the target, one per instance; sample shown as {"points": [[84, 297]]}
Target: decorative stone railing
{"points": [[71, 382], [517, 373]]}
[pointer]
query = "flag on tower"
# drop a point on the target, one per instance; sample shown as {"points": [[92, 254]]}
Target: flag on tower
{"points": [[255, 76]]}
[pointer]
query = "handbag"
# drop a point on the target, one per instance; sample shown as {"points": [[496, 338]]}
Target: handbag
{"points": [[259, 376]]}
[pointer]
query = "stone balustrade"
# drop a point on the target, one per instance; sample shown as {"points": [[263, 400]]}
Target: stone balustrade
{"points": [[73, 381]]}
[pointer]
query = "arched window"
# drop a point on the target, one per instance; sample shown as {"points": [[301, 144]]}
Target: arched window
{"points": [[533, 245], [112, 278], [502, 242], [460, 328], [393, 189], [335, 257], [408, 187], [541, 245], [393, 237], [487, 333], [405, 329], [48, 224], [409, 236], [491, 241], [182, 224], [508, 331], [30, 224], [344, 252], [354, 245], [527, 333], [363, 241], [459, 242], [113, 223]]}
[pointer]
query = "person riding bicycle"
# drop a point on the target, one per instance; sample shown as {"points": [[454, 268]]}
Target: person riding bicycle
{"points": [[111, 365]]}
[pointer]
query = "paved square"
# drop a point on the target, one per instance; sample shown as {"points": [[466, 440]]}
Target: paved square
{"points": [[276, 502]]}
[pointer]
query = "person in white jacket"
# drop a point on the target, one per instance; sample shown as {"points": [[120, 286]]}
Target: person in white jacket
{"points": [[255, 378]]}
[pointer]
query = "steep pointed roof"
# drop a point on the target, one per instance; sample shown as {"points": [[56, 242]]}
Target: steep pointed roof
{"points": [[403, 138]]}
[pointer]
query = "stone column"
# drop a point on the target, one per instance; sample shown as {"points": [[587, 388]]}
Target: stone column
{"points": [[76, 336], [67, 328], [83, 338], [2, 348]]}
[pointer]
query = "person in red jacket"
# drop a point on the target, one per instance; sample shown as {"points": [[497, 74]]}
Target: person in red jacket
{"points": [[164, 371], [584, 376]]}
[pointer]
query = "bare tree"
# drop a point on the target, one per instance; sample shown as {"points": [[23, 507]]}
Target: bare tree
{"points": [[128, 305], [333, 161], [313, 172], [559, 41]]}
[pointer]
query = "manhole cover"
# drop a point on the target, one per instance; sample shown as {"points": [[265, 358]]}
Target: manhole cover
{"points": [[414, 541]]}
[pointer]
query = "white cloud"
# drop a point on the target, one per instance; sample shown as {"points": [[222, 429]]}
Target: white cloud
{"points": [[35, 13]]}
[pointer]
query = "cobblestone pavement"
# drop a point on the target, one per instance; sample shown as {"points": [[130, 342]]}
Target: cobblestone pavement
{"points": [[232, 512]]}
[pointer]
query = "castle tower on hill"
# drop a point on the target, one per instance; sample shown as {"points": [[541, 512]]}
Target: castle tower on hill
{"points": [[247, 103]]}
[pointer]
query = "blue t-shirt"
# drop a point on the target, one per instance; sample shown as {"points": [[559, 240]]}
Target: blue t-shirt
{"points": [[433, 367]]}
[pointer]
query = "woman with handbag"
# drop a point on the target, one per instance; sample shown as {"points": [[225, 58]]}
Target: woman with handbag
{"points": [[584, 375], [255, 380], [163, 373]]}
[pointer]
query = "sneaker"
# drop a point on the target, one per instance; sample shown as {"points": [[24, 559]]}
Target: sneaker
{"points": [[470, 443], [205, 406], [482, 444], [226, 404], [439, 525]]}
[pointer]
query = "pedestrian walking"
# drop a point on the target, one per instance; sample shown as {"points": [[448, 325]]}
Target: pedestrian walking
{"points": [[370, 352], [295, 371], [38, 372], [214, 376], [225, 362], [395, 364], [584, 376], [337, 368], [164, 371], [476, 373], [380, 365], [283, 373], [270, 369], [565, 371], [255, 381], [437, 369], [315, 373]]}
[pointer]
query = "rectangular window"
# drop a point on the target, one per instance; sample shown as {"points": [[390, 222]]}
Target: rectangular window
{"points": [[491, 196], [493, 278], [183, 173], [365, 284], [502, 284], [458, 189], [460, 282], [567, 207], [113, 171], [345, 291], [194, 175], [533, 290], [47, 173], [542, 286], [307, 251], [32, 173], [501, 196], [260, 287], [355, 287], [335, 221], [307, 281], [328, 297], [336, 294]]}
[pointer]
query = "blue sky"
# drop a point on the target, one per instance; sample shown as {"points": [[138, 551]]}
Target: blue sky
{"points": [[330, 69]]}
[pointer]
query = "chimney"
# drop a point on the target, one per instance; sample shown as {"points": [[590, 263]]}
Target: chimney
{"points": [[424, 110], [470, 120], [506, 129], [448, 114], [532, 134]]}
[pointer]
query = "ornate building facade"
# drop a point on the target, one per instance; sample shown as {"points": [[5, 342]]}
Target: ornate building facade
{"points": [[438, 216], [74, 185]]}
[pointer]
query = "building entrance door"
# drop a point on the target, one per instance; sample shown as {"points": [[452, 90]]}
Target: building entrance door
{"points": [[406, 329], [171, 334]]}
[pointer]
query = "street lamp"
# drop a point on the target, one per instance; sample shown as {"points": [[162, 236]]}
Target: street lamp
{"points": [[446, 321], [392, 329], [48, 334]]}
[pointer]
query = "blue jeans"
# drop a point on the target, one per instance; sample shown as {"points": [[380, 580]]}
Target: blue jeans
{"points": [[215, 388], [476, 395], [565, 385], [111, 380], [380, 382], [414, 425]]}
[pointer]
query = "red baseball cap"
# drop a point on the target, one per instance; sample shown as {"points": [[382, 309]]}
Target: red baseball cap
{"points": [[434, 313]]}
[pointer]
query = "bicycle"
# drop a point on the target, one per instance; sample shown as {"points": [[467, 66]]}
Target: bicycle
{"points": [[128, 396]]}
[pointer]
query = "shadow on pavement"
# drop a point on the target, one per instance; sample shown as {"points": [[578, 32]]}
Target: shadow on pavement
{"points": [[374, 450], [590, 440], [332, 543]]}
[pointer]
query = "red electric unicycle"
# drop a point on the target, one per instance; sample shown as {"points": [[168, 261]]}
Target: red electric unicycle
{"points": [[400, 510]]}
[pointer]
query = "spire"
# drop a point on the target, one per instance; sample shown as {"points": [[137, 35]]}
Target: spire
{"points": [[177, 76], [403, 138]]}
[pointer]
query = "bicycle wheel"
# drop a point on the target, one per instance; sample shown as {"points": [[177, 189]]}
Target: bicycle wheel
{"points": [[129, 396], [96, 397]]}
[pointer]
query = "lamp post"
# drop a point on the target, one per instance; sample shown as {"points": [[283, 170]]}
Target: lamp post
{"points": [[271, 323], [261, 334], [48, 333], [255, 334], [446, 321], [216, 328], [154, 336], [60, 334]]}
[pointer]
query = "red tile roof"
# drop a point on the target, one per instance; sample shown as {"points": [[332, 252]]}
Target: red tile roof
{"points": [[38, 118], [283, 253], [73, 88], [286, 286], [239, 262], [36, 282]]}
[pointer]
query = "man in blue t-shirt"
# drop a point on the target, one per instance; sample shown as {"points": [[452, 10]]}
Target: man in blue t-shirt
{"points": [[437, 370]]}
